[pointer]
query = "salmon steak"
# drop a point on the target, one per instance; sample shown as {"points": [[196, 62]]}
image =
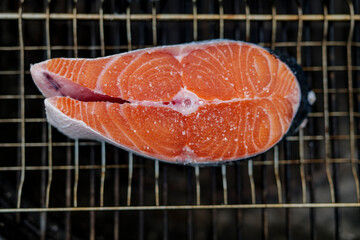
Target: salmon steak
{"points": [[202, 102]]}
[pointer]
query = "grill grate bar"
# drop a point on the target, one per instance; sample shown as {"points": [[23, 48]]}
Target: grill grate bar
{"points": [[239, 198], [130, 156], [308, 62], [165, 202], [101, 28], [122, 166], [19, 120], [326, 107], [47, 126], [252, 182], [125, 47], [49, 129], [221, 19], [302, 165], [276, 148], [128, 28], [190, 201], [312, 43], [333, 124], [356, 79], [141, 202], [224, 183], [274, 26], [213, 212], [68, 194], [157, 201], [22, 103], [103, 173], [181, 17], [130, 177], [154, 40], [116, 195], [117, 180], [351, 102], [301, 130], [74, 18], [247, 21], [19, 96], [154, 23], [277, 175], [76, 172], [65, 167], [197, 180], [43, 215], [288, 196], [76, 145], [57, 144], [264, 199], [92, 196], [185, 207], [195, 22]]}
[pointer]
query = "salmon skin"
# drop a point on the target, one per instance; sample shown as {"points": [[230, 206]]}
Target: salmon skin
{"points": [[203, 102]]}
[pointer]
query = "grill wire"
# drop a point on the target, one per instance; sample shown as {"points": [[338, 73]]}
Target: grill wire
{"points": [[307, 187]]}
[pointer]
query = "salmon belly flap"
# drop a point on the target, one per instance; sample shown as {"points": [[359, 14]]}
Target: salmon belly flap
{"points": [[192, 103]]}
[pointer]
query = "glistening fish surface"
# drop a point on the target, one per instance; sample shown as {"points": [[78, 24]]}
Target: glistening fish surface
{"points": [[205, 102]]}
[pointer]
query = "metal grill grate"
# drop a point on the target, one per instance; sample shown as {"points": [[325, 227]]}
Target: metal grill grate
{"points": [[306, 187]]}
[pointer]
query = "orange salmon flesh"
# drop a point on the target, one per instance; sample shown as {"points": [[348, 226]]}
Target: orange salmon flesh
{"points": [[194, 103]]}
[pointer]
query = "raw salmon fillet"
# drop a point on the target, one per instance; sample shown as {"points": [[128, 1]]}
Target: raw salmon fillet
{"points": [[193, 103]]}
